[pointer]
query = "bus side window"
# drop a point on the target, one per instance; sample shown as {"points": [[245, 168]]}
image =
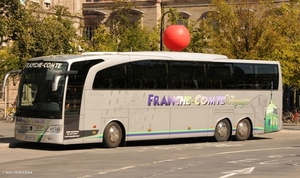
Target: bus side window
{"points": [[73, 99], [120, 83], [215, 84], [177, 83], [137, 83], [265, 75], [148, 74], [114, 77], [98, 81], [107, 83], [150, 83]]}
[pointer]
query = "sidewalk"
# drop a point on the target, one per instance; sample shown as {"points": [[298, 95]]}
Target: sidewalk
{"points": [[7, 132], [290, 127]]}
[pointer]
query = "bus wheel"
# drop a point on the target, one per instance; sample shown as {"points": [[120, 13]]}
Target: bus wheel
{"points": [[222, 131], [112, 135], [243, 130]]}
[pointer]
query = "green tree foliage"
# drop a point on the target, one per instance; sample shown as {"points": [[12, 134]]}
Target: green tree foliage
{"points": [[235, 28], [198, 42], [3, 29], [259, 31], [286, 28], [34, 32], [8, 62], [65, 30], [10, 12], [137, 38], [103, 40], [124, 31]]}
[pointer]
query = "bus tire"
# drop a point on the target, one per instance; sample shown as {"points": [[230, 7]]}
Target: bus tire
{"points": [[243, 130], [222, 131], [112, 136]]}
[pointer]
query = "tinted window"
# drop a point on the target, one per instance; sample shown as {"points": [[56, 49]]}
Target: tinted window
{"points": [[187, 75], [150, 74], [113, 77], [244, 76], [220, 76], [266, 76]]}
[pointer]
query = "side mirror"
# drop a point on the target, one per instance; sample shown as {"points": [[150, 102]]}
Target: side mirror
{"points": [[58, 76]]}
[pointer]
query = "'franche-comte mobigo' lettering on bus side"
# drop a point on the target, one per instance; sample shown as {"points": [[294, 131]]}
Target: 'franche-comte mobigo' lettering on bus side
{"points": [[198, 100]]}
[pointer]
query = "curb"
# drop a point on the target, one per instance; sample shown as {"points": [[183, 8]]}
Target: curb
{"points": [[289, 131]]}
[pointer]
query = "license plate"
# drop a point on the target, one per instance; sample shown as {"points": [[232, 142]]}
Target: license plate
{"points": [[28, 137]]}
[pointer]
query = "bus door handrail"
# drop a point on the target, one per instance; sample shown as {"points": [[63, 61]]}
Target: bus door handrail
{"points": [[6, 77]]}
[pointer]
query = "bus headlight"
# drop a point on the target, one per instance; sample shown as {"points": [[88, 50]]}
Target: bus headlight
{"points": [[54, 129]]}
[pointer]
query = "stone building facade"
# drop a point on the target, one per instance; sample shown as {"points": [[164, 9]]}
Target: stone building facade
{"points": [[74, 6], [95, 12]]}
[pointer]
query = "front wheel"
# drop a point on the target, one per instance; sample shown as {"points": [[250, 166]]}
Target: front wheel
{"points": [[222, 131], [112, 135], [243, 130]]}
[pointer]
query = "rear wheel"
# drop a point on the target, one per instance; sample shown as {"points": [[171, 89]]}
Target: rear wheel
{"points": [[222, 131], [243, 130], [112, 135]]}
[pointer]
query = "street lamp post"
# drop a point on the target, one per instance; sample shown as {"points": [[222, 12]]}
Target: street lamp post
{"points": [[162, 27]]}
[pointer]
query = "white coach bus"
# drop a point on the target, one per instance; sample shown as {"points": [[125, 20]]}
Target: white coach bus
{"points": [[112, 98]]}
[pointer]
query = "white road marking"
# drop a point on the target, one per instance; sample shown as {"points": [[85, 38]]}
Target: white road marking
{"points": [[235, 172], [283, 155], [162, 161], [275, 162], [109, 171], [244, 161], [227, 145], [242, 151]]}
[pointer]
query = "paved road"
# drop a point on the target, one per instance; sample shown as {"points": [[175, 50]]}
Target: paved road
{"points": [[7, 132], [268, 156]]}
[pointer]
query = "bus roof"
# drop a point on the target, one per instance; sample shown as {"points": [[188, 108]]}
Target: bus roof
{"points": [[132, 55], [162, 55], [166, 55]]}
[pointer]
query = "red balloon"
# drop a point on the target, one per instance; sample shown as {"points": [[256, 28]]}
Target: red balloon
{"points": [[176, 37]]}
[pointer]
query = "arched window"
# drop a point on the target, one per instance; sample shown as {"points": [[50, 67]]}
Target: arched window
{"points": [[210, 14], [183, 17], [89, 32], [93, 17], [134, 16]]}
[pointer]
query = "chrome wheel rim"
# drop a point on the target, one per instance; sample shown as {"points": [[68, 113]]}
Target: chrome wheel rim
{"points": [[242, 129], [114, 134], [222, 129]]}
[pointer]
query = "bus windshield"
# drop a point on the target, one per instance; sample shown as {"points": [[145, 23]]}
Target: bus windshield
{"points": [[35, 90]]}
